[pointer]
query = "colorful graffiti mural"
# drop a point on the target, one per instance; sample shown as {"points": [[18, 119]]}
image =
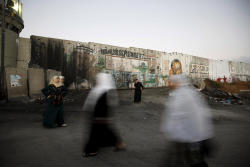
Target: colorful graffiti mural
{"points": [[79, 61], [197, 68], [175, 67], [15, 80], [122, 53], [126, 66]]}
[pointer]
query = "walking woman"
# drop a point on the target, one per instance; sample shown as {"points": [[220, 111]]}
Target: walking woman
{"points": [[186, 123], [101, 99], [54, 100]]}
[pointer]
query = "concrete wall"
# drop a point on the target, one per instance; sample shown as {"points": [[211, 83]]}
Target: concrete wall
{"points": [[151, 67], [24, 51], [239, 70], [36, 81], [79, 62], [70, 57], [10, 51], [218, 69], [125, 64], [16, 79]]}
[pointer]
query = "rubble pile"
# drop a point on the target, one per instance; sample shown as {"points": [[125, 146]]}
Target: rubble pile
{"points": [[226, 93]]}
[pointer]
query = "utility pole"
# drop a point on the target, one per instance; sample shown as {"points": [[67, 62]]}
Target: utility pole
{"points": [[2, 75]]}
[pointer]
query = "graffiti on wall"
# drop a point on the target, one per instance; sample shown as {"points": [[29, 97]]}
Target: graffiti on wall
{"points": [[123, 64], [101, 61], [78, 62], [125, 70], [165, 65], [122, 79], [109, 64], [175, 67], [15, 80], [125, 79], [198, 68], [126, 65], [141, 66], [122, 53]]}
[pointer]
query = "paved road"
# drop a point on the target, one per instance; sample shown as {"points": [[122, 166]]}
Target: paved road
{"points": [[25, 143]]}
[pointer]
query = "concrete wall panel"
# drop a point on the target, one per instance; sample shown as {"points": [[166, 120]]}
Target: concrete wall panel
{"points": [[36, 81], [218, 69], [16, 82], [24, 51], [239, 70], [11, 49], [80, 61]]}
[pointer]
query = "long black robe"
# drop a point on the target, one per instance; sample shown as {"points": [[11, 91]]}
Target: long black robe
{"points": [[138, 92], [101, 133]]}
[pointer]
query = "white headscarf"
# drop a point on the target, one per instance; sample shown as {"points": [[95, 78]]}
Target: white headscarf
{"points": [[61, 77], [61, 83], [186, 118], [53, 81], [104, 83]]}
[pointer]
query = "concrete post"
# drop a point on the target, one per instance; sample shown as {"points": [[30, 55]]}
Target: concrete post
{"points": [[2, 75]]}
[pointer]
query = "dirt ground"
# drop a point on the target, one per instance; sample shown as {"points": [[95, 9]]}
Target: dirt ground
{"points": [[25, 143]]}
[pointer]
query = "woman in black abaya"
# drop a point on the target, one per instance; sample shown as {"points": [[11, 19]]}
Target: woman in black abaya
{"points": [[100, 101], [138, 91]]}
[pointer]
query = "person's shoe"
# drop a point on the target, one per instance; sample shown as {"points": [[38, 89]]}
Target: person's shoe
{"points": [[64, 125]]}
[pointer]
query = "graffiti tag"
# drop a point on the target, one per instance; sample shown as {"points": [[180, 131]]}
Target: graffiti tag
{"points": [[123, 53], [197, 68]]}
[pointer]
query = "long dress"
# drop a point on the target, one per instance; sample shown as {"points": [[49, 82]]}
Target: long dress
{"points": [[54, 105], [60, 114], [138, 92], [102, 133]]}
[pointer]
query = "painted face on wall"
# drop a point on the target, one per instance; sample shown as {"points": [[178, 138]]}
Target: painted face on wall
{"points": [[175, 67]]}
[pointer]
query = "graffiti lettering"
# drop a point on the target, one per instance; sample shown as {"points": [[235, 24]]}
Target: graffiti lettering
{"points": [[197, 68], [123, 53], [84, 48]]}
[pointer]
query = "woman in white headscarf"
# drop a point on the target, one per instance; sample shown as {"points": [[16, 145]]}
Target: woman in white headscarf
{"points": [[100, 101], [187, 124], [53, 100]]}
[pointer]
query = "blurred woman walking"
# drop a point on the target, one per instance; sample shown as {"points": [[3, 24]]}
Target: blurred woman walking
{"points": [[187, 125], [100, 102]]}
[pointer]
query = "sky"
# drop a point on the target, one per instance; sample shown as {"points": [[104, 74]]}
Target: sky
{"points": [[215, 29]]}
